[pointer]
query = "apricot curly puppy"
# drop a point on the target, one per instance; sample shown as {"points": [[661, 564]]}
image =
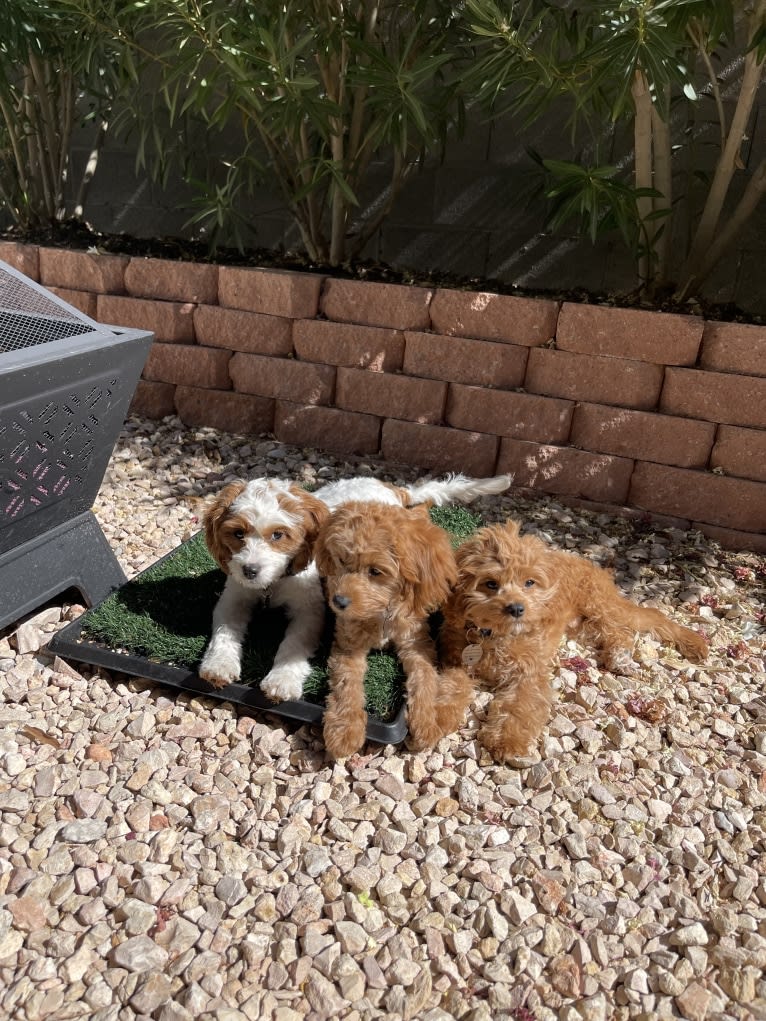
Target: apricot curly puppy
{"points": [[514, 601], [385, 568]]}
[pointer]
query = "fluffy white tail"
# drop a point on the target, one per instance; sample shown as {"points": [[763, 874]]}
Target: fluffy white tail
{"points": [[455, 489]]}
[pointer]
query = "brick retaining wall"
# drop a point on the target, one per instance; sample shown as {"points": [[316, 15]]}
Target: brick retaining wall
{"points": [[626, 408]]}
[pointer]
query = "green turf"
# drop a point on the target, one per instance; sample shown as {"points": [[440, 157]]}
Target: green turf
{"points": [[164, 615]]}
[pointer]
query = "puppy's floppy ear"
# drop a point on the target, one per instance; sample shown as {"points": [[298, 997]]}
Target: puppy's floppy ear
{"points": [[214, 517], [322, 557], [336, 532], [426, 562], [470, 554], [314, 514]]}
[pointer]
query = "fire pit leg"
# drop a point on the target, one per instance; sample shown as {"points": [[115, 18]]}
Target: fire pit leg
{"points": [[73, 555]]}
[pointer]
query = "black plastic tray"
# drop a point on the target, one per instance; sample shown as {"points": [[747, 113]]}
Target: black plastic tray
{"points": [[69, 643]]}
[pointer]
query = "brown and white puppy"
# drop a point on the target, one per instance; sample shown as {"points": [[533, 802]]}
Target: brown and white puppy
{"points": [[385, 569], [261, 534], [514, 601]]}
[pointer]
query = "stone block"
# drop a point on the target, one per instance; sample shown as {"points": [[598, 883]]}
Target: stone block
{"points": [[740, 452], [243, 331], [739, 504], [189, 365], [223, 409], [715, 397], [169, 321], [502, 317], [597, 379], [642, 435], [459, 360], [734, 347], [283, 378], [365, 347], [524, 416], [153, 400], [83, 271], [638, 334], [24, 258], [270, 291], [398, 306], [172, 280], [438, 448], [341, 432], [390, 396], [566, 471]]}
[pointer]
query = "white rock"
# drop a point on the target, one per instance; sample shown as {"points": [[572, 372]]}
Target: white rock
{"points": [[83, 831], [140, 953]]}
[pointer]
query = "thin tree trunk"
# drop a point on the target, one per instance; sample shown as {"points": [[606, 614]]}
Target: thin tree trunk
{"points": [[727, 161], [756, 189], [642, 133], [399, 174], [90, 169], [663, 183], [339, 213]]}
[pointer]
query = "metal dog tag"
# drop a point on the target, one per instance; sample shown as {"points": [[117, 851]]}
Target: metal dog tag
{"points": [[471, 655]]}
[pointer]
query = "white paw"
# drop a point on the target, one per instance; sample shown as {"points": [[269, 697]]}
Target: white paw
{"points": [[284, 683], [220, 668]]}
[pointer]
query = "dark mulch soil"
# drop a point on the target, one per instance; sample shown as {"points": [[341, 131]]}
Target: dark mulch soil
{"points": [[76, 234]]}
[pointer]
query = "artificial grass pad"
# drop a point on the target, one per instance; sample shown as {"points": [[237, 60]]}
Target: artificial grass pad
{"points": [[164, 615]]}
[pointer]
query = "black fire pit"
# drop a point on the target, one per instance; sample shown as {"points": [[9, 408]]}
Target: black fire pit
{"points": [[66, 382]]}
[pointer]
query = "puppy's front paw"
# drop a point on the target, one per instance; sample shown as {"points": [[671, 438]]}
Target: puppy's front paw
{"points": [[693, 646], [344, 737], [506, 745], [423, 733], [219, 670], [284, 683]]}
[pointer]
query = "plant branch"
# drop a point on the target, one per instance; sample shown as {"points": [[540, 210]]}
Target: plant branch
{"points": [[663, 183], [729, 158], [754, 192], [695, 34], [90, 168], [642, 134]]}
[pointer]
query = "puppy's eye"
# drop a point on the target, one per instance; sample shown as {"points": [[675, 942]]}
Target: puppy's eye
{"points": [[373, 572], [276, 536], [491, 584], [529, 583], [239, 534]]}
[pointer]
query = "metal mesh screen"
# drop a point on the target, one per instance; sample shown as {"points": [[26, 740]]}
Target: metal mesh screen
{"points": [[28, 316]]}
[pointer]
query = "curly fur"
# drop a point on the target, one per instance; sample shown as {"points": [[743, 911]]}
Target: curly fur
{"points": [[262, 533], [385, 569], [514, 601]]}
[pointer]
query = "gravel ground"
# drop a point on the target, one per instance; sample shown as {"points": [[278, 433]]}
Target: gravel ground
{"points": [[168, 857]]}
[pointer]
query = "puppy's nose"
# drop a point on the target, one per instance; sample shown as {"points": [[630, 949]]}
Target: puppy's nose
{"points": [[250, 571], [341, 602], [515, 610]]}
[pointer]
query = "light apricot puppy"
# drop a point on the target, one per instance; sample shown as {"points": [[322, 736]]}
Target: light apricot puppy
{"points": [[514, 601], [385, 569]]}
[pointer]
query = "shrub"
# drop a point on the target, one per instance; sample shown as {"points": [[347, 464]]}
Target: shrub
{"points": [[651, 64], [318, 87], [51, 74]]}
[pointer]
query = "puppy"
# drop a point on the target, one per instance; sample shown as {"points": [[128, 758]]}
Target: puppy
{"points": [[261, 534], [514, 600], [385, 569]]}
